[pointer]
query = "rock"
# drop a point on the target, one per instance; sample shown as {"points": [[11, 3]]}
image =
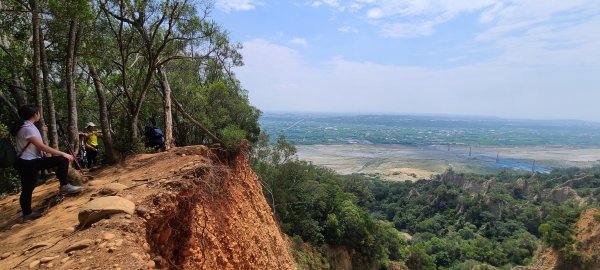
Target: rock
{"points": [[108, 236], [111, 189], [151, 264], [146, 247], [562, 194], [5, 255], [97, 183], [187, 253], [119, 242], [68, 231], [34, 264], [65, 260], [82, 260], [37, 245], [50, 265], [79, 245], [135, 255], [102, 245], [102, 207], [48, 259], [140, 210]]}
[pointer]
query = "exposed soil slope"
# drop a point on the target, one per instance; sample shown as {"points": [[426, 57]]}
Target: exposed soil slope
{"points": [[588, 235], [196, 208]]}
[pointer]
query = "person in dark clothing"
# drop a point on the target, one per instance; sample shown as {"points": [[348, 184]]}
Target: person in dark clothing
{"points": [[153, 137], [32, 160]]}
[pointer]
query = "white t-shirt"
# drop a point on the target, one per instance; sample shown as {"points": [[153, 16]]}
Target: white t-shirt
{"points": [[28, 130]]}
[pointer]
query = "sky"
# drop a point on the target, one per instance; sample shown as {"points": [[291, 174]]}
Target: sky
{"points": [[534, 59]]}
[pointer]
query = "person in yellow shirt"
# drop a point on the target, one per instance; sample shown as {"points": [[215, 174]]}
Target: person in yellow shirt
{"points": [[91, 144]]}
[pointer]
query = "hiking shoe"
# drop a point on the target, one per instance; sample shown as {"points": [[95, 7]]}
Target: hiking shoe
{"points": [[70, 189], [31, 216]]}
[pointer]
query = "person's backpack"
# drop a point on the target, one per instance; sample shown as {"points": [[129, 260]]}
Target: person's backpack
{"points": [[157, 135], [8, 154]]}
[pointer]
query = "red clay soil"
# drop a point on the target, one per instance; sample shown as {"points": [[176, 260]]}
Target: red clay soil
{"points": [[220, 221], [197, 208]]}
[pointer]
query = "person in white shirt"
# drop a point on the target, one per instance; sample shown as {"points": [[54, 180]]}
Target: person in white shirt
{"points": [[31, 160]]}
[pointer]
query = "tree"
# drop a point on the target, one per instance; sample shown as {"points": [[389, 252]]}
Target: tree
{"points": [[111, 155], [168, 114], [159, 25]]}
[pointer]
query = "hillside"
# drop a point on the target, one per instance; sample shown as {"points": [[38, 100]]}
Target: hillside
{"points": [[588, 244], [195, 208]]}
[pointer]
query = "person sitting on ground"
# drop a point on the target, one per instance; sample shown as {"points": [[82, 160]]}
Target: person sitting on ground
{"points": [[153, 137], [91, 144], [31, 160]]}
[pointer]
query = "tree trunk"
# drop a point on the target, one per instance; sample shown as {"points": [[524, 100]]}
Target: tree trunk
{"points": [[70, 87], [35, 19], [196, 122], [134, 129], [168, 115], [51, 111], [111, 155]]}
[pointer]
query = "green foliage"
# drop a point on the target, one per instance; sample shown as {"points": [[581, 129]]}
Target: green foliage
{"points": [[571, 259], [309, 203], [232, 136], [9, 181], [454, 219], [558, 231], [4, 131], [419, 260]]}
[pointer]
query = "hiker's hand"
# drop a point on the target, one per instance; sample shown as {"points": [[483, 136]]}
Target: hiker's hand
{"points": [[67, 156]]}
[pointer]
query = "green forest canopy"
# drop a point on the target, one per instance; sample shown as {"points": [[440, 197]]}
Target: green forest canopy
{"points": [[118, 63]]}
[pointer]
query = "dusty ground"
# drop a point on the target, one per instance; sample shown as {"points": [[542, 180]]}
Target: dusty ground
{"points": [[174, 215], [401, 163]]}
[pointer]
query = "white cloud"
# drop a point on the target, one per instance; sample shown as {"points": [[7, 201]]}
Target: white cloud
{"points": [[396, 18], [236, 5], [299, 41], [548, 84], [407, 29], [375, 13], [348, 29], [331, 3]]}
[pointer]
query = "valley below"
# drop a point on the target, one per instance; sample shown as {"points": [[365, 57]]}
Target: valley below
{"points": [[410, 163]]}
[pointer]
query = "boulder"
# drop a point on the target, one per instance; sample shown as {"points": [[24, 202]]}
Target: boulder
{"points": [[48, 259], [111, 189], [34, 264], [102, 207], [79, 245]]}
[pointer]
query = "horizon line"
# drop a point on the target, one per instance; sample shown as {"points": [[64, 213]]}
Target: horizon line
{"points": [[374, 113]]}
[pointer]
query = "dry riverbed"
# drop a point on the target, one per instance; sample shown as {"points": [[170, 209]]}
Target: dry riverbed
{"points": [[407, 163]]}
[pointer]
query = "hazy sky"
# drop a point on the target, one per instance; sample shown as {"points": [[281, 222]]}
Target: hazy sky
{"points": [[508, 58]]}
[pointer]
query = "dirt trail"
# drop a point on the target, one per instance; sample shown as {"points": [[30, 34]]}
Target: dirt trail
{"points": [[196, 208]]}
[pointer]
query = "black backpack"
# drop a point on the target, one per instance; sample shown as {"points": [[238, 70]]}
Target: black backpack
{"points": [[8, 154]]}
